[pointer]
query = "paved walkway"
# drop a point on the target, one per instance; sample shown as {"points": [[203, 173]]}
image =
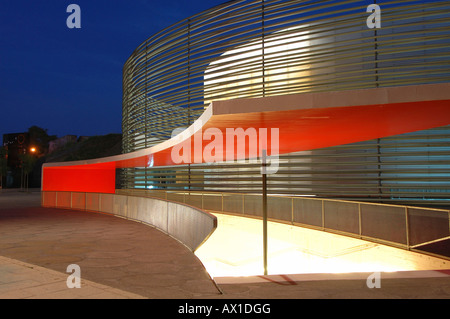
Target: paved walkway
{"points": [[124, 259], [20, 280], [112, 252]]}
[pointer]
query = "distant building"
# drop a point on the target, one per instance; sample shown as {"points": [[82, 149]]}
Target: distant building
{"points": [[16, 144]]}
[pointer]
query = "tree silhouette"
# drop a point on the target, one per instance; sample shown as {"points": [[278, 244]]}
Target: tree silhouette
{"points": [[40, 138], [27, 164], [3, 165]]}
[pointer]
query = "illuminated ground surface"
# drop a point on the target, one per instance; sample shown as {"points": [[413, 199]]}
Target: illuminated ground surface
{"points": [[235, 249]]}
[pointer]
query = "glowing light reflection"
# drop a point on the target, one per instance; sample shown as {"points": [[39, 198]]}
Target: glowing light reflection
{"points": [[239, 71], [235, 249]]}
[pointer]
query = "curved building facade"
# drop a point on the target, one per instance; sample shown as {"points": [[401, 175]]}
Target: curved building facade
{"points": [[255, 49]]}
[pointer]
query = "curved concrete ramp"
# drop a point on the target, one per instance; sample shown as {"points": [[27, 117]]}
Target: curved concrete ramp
{"points": [[112, 252], [125, 259]]}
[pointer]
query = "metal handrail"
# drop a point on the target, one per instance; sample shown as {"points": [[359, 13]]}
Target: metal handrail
{"points": [[414, 237]]}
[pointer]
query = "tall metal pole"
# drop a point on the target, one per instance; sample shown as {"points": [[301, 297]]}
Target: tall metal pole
{"points": [[264, 198], [189, 93], [377, 84], [263, 66], [264, 152]]}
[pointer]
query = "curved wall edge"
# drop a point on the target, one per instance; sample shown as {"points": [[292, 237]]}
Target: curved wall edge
{"points": [[189, 225]]}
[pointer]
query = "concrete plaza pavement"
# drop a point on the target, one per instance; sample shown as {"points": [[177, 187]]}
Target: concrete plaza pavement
{"points": [[113, 252], [121, 259]]}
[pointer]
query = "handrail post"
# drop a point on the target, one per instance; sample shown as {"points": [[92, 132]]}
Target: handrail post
{"points": [[264, 198], [292, 210], [359, 220], [323, 214], [407, 228]]}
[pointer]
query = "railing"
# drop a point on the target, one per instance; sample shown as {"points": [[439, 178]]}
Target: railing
{"points": [[189, 225], [400, 226]]}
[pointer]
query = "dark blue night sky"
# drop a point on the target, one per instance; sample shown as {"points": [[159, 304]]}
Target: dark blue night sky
{"points": [[69, 81]]}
